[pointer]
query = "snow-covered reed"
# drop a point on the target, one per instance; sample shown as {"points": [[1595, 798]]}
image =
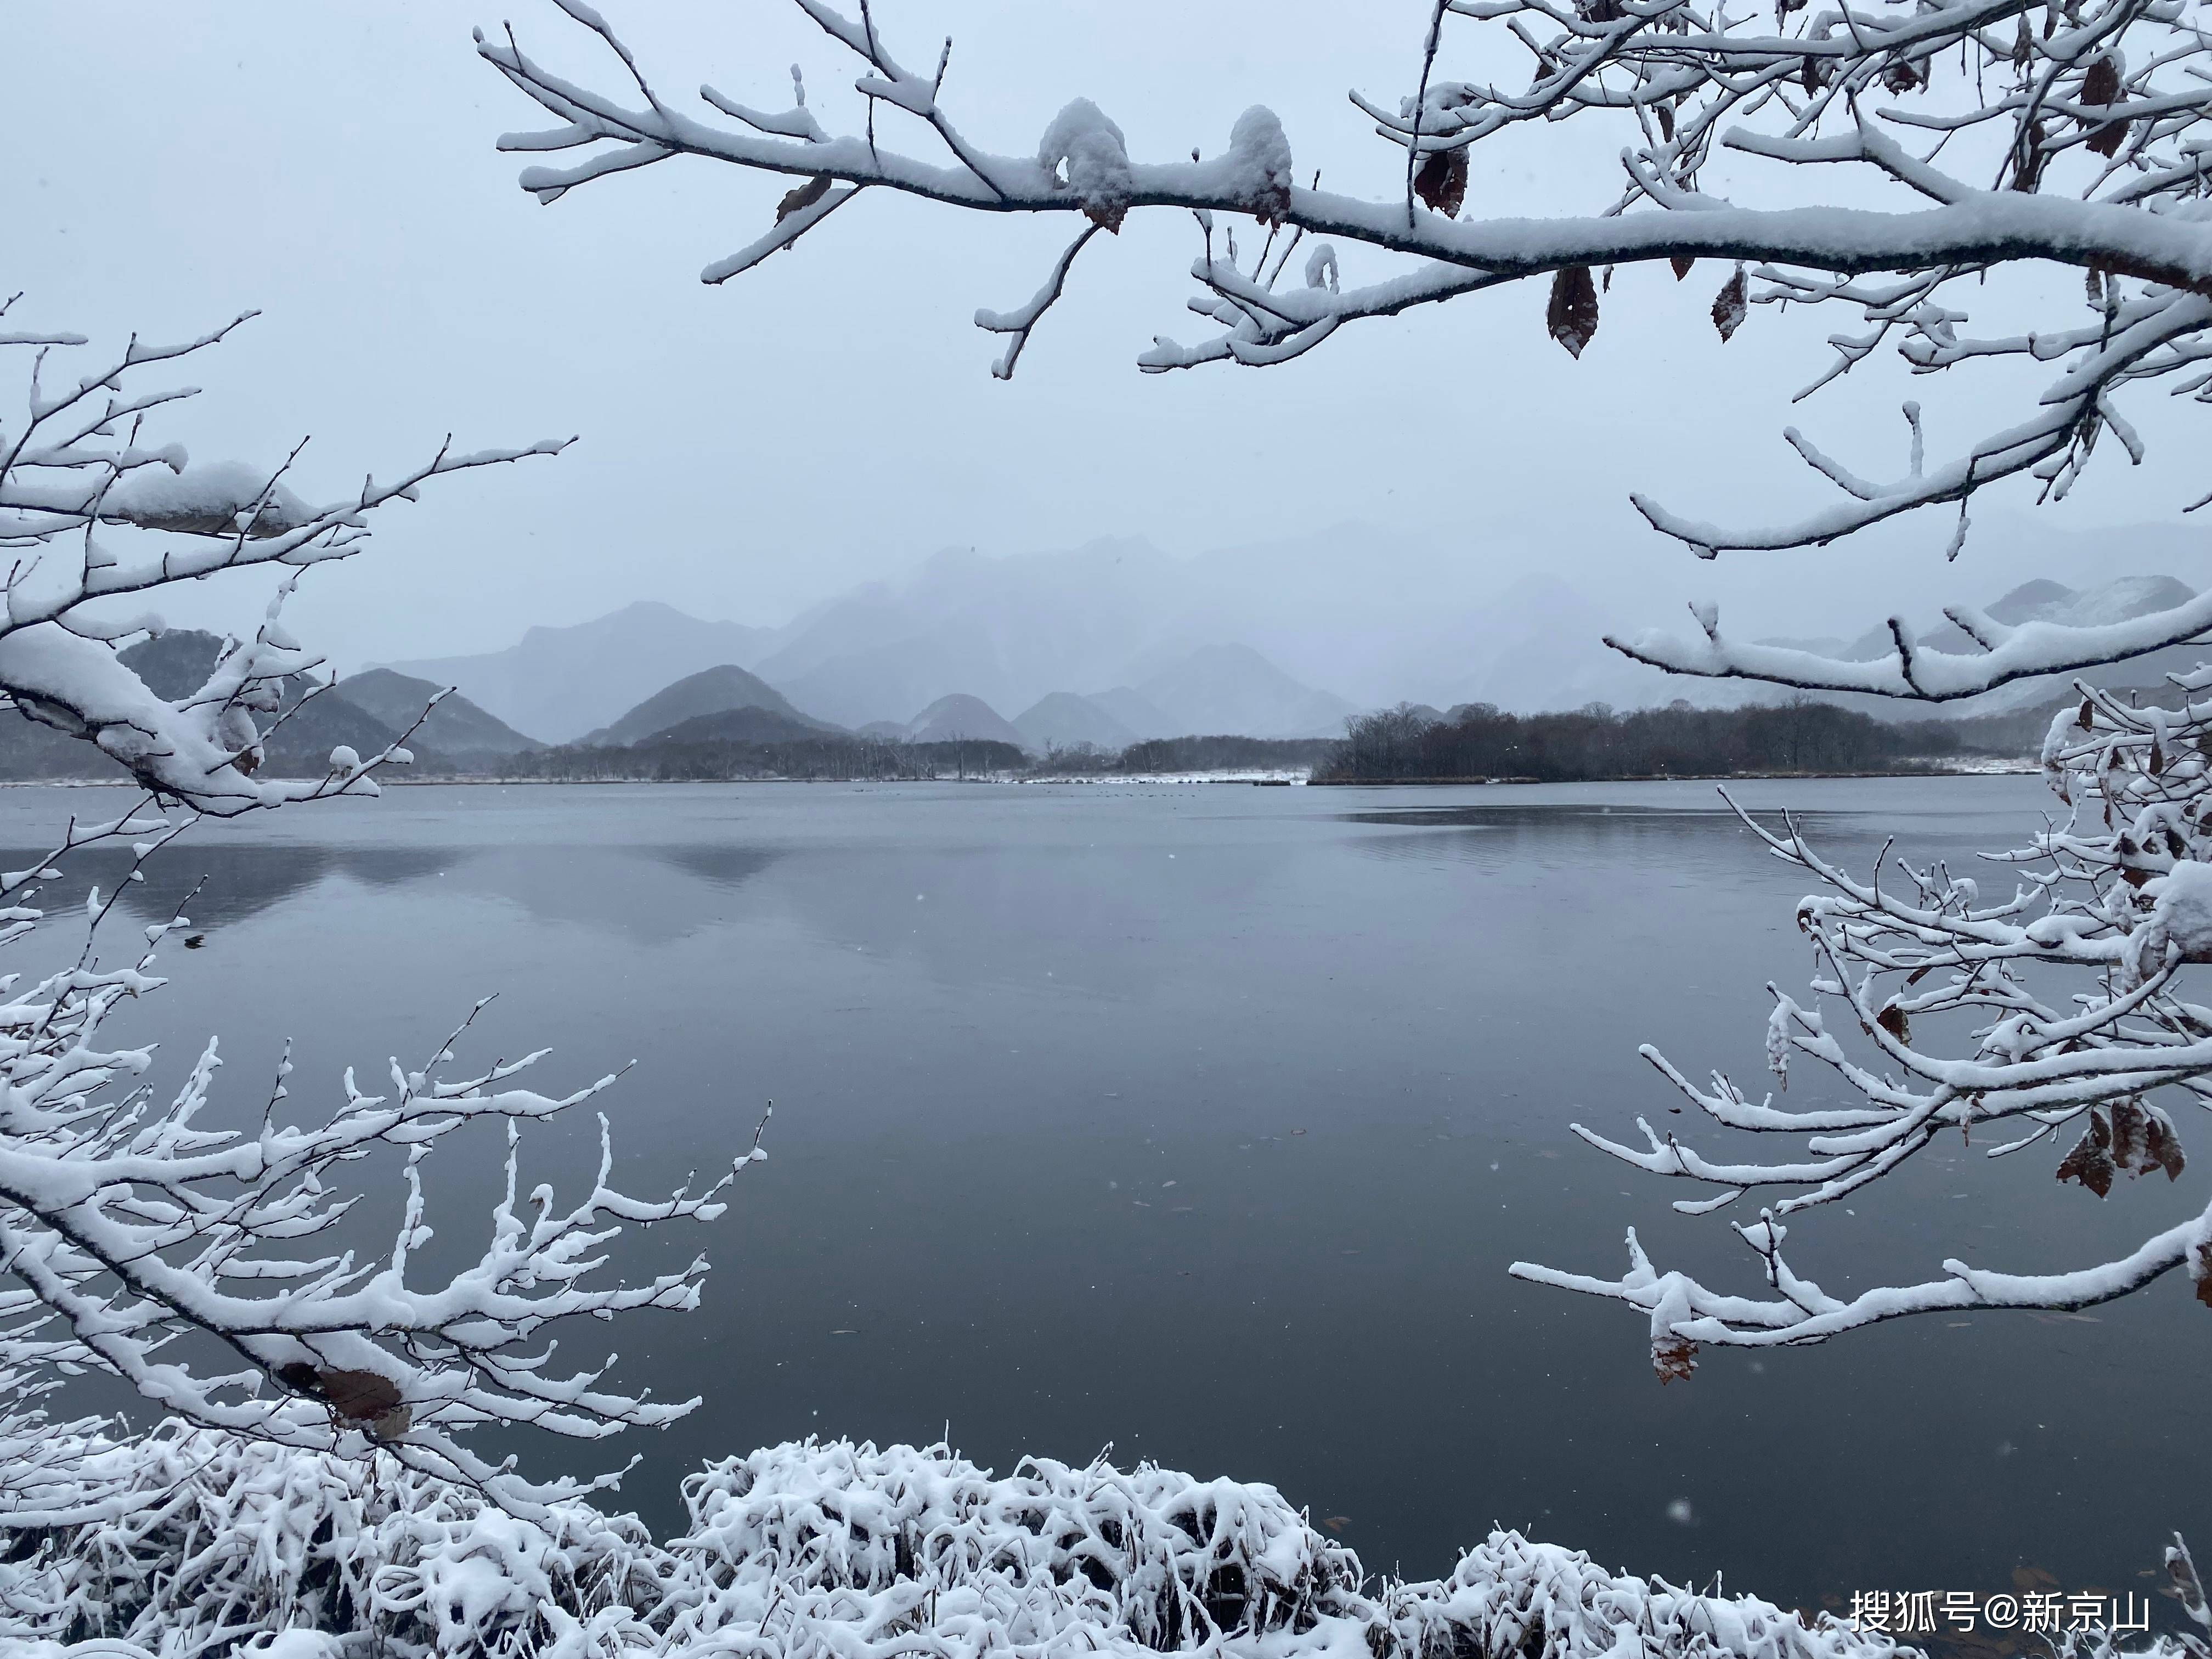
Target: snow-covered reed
{"points": [[215, 1545]]}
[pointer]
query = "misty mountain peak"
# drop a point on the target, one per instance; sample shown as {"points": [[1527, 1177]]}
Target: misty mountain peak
{"points": [[959, 718]]}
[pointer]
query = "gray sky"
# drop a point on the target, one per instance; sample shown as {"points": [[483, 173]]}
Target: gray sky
{"points": [[750, 449]]}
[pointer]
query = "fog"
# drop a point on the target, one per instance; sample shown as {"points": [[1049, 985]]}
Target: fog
{"points": [[829, 418]]}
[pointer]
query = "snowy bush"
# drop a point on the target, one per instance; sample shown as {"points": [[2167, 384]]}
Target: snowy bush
{"points": [[810, 1551], [139, 1238]]}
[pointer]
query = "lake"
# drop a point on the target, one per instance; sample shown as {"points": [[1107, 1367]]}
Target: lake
{"points": [[1203, 1121]]}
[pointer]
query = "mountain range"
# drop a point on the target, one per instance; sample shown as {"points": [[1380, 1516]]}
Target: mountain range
{"points": [[630, 674], [559, 683], [603, 682], [1115, 640]]}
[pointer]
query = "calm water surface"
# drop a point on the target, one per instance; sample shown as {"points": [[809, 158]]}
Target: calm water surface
{"points": [[1203, 1121]]}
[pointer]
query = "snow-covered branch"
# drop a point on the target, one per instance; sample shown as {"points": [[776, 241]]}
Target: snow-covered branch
{"points": [[2069, 136], [132, 1229], [204, 1263], [96, 516], [2113, 911]]}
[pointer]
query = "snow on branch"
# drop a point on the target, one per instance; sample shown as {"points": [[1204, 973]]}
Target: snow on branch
{"points": [[149, 1238], [183, 1258], [2019, 134], [1915, 672], [94, 514], [2108, 911]]}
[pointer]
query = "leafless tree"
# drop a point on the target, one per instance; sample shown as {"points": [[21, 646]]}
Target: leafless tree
{"points": [[135, 1238]]}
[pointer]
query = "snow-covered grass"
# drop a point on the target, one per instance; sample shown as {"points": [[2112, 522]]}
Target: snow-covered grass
{"points": [[195, 1542]]}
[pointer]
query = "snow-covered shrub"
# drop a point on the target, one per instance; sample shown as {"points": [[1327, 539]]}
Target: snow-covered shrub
{"points": [[810, 1551], [138, 1238]]}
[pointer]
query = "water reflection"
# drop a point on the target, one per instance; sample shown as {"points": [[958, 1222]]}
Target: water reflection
{"points": [[234, 882], [650, 894]]}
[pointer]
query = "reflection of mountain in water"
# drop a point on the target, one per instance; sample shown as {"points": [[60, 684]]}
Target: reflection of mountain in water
{"points": [[237, 881], [653, 894], [648, 893], [719, 866]]}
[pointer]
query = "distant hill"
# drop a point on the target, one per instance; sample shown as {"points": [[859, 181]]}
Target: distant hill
{"points": [[961, 718], [456, 727], [1233, 689], [1064, 720], [720, 690], [562, 683], [750, 726]]}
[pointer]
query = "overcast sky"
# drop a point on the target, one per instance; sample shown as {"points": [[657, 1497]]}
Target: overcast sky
{"points": [[750, 449]]}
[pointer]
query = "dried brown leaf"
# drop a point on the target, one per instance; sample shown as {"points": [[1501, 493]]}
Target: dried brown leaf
{"points": [[2100, 85], [1674, 1357], [1441, 183], [803, 196], [1571, 316], [2130, 1138], [1666, 113], [1893, 1020], [2090, 1162], [1730, 306], [2162, 1148], [362, 1400], [2101, 82], [1682, 264], [1904, 75], [2201, 1271]]}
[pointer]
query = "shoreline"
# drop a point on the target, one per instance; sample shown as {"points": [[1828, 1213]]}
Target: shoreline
{"points": [[2022, 769]]}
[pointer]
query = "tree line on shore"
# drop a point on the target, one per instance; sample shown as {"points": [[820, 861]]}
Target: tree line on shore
{"points": [[1478, 741], [1407, 744], [841, 756], [1402, 744]]}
